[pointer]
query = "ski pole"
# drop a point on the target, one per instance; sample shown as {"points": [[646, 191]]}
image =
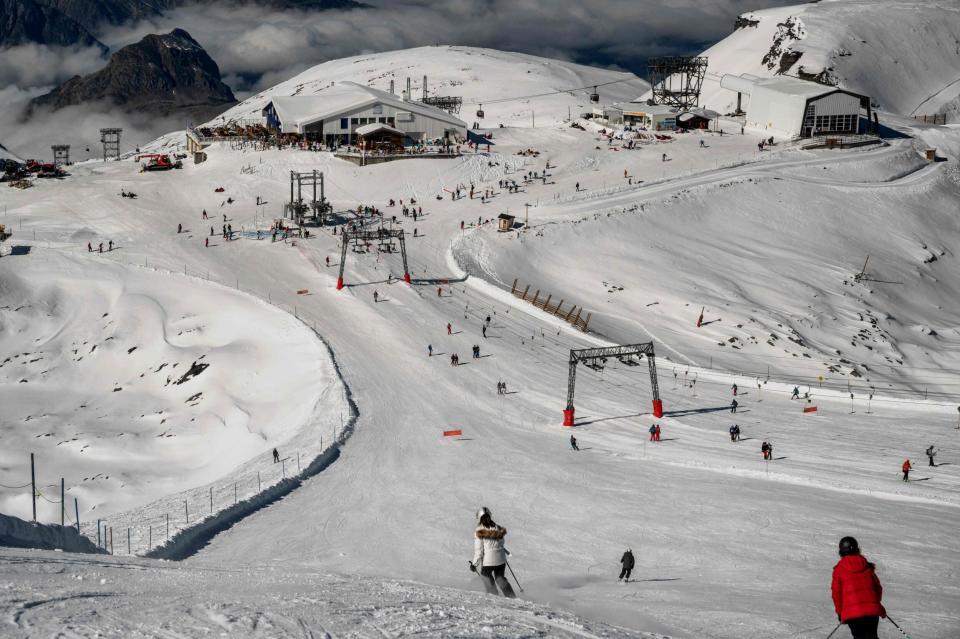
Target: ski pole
{"points": [[833, 632], [521, 587], [898, 628]]}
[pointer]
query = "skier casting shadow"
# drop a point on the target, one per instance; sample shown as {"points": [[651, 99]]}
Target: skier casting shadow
{"points": [[490, 555]]}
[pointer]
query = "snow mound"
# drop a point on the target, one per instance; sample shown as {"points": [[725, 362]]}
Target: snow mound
{"points": [[477, 75], [17, 533], [132, 385], [904, 55]]}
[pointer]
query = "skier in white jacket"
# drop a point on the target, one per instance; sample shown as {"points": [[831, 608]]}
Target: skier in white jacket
{"points": [[489, 554]]}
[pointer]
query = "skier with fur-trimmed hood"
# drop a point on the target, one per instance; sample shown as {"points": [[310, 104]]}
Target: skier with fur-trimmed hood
{"points": [[490, 555]]}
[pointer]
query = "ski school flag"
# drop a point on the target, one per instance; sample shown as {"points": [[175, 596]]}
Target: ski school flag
{"points": [[809, 409], [452, 433]]}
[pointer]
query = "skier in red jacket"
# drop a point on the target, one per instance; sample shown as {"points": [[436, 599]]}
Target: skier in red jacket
{"points": [[857, 592]]}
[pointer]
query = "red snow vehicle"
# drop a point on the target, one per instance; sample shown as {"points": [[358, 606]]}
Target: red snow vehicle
{"points": [[43, 169], [158, 162]]}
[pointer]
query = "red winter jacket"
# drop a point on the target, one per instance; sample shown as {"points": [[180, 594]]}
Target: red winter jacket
{"points": [[856, 589]]}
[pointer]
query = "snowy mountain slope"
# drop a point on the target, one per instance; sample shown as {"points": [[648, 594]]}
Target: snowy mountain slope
{"points": [[904, 54], [133, 387], [780, 290], [476, 75], [727, 545]]}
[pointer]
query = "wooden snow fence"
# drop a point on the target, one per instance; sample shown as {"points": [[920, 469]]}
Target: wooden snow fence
{"points": [[571, 315]]}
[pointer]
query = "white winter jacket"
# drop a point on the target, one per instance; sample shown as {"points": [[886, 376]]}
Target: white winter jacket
{"points": [[488, 547]]}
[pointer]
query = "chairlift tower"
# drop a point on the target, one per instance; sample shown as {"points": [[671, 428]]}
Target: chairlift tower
{"points": [[110, 138], [676, 80], [383, 237], [596, 358], [61, 154], [317, 208]]}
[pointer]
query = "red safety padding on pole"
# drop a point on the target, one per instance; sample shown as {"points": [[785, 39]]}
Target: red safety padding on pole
{"points": [[809, 409], [406, 278], [452, 433], [658, 408], [339, 283], [568, 416]]}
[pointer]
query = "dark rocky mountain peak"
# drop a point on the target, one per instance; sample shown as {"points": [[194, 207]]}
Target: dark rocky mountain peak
{"points": [[169, 73]]}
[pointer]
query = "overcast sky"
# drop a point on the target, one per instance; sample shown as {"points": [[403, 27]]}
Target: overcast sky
{"points": [[257, 48]]}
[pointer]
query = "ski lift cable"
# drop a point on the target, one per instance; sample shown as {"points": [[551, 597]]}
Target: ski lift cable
{"points": [[480, 101]]}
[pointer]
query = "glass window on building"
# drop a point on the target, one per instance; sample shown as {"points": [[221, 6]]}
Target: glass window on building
{"points": [[344, 123]]}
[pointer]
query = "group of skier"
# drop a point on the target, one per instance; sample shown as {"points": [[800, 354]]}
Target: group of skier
{"points": [[855, 588], [654, 431]]}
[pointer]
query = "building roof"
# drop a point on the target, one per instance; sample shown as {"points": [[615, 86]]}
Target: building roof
{"points": [[787, 85], [630, 108], [343, 97], [506, 216], [375, 127], [699, 112]]}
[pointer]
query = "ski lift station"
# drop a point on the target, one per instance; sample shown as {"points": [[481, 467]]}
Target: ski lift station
{"points": [[653, 117], [792, 107], [341, 113]]}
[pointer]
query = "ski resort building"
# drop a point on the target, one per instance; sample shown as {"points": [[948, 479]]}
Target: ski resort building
{"points": [[655, 117], [340, 114], [793, 107]]}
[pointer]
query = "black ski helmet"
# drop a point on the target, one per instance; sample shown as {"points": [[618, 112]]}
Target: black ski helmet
{"points": [[849, 546]]}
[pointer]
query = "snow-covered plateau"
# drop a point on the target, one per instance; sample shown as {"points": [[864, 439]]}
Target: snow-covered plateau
{"points": [[365, 526]]}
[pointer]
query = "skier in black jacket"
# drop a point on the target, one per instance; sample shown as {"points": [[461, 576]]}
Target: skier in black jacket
{"points": [[628, 562]]}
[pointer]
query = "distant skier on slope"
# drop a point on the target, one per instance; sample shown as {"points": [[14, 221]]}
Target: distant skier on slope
{"points": [[733, 406], [857, 592], [276, 456], [734, 387], [489, 554], [796, 392], [573, 443], [628, 563], [653, 432], [931, 453], [906, 468]]}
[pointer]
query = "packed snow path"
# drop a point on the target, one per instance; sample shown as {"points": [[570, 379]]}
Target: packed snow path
{"points": [[52, 594], [727, 546]]}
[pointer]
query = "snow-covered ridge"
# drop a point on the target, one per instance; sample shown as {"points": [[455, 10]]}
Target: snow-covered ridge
{"points": [[904, 54], [476, 75]]}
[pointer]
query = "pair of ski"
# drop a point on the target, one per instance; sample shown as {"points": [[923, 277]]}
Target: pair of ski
{"points": [[509, 567]]}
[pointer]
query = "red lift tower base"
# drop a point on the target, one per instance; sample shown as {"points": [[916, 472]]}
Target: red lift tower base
{"points": [[568, 417]]}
